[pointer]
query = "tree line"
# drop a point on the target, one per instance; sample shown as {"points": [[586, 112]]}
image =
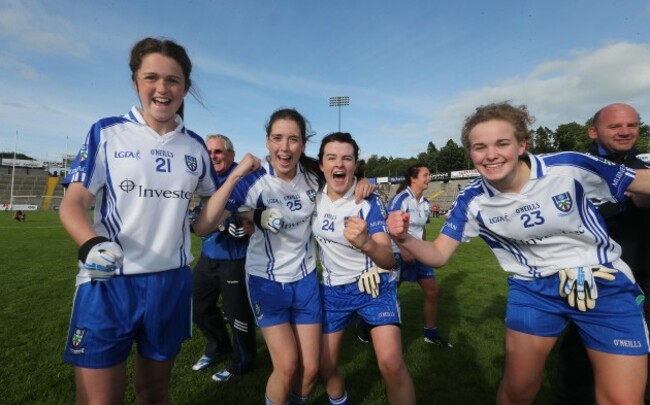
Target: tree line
{"points": [[451, 157]]}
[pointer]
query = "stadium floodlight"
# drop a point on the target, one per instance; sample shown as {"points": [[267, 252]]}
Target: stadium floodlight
{"points": [[338, 102], [13, 174]]}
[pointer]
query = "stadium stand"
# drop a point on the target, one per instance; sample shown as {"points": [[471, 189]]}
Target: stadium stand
{"points": [[31, 186], [438, 192]]}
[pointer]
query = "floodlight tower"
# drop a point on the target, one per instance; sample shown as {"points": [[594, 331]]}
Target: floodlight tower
{"points": [[338, 102]]}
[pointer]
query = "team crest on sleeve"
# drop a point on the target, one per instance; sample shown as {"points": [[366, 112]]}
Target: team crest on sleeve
{"points": [[563, 202], [83, 153], [190, 162], [311, 193]]}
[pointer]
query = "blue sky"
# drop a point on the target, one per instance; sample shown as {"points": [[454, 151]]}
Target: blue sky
{"points": [[412, 69]]}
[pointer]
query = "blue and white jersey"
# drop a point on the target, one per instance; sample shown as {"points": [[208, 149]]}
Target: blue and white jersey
{"points": [[418, 210], [288, 255], [550, 224], [143, 183], [341, 262]]}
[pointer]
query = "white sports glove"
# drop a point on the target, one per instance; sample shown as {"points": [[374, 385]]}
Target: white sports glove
{"points": [[579, 285], [100, 258], [369, 281], [270, 218]]}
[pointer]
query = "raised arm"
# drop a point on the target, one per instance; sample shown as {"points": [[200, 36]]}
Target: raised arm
{"points": [[640, 188], [432, 253], [377, 247], [214, 210]]}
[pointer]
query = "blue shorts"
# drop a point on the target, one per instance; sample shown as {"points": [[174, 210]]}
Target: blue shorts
{"points": [[616, 325], [154, 309], [342, 303], [276, 303], [414, 271]]}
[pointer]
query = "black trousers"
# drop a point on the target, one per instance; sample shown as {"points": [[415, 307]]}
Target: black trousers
{"points": [[575, 377], [224, 278]]}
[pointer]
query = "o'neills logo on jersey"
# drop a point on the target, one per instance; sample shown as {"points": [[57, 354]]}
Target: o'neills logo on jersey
{"points": [[563, 202], [161, 153], [190, 162], [128, 186]]}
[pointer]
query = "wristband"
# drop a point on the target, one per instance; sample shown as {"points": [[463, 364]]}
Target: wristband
{"points": [[88, 245]]}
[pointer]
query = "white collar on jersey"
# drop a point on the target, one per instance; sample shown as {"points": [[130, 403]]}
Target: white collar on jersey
{"points": [[408, 189], [348, 194], [136, 116], [266, 164]]}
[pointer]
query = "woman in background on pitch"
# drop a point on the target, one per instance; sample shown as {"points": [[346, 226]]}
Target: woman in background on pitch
{"points": [[140, 170], [355, 248], [410, 199], [534, 213]]}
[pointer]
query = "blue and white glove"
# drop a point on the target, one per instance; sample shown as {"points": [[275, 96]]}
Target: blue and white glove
{"points": [[270, 219], [578, 285], [99, 258]]}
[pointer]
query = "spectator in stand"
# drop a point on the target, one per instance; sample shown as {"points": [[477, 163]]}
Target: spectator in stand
{"points": [[614, 131], [435, 209]]}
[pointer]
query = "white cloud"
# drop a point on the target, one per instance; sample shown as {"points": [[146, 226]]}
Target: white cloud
{"points": [[26, 25], [26, 71], [561, 91], [369, 98]]}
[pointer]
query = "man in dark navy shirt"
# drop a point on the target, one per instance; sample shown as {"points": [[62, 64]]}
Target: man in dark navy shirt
{"points": [[220, 271], [614, 132]]}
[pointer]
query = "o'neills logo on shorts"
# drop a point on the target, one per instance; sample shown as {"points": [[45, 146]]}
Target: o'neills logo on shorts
{"points": [[632, 344], [386, 314]]}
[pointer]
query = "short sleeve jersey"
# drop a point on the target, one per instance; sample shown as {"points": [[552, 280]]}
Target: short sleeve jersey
{"points": [[341, 262], [220, 245], [550, 224], [418, 211], [288, 255], [143, 183]]}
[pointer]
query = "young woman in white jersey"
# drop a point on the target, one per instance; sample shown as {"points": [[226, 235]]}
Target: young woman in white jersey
{"points": [[280, 261], [409, 198], [353, 245], [534, 213], [140, 171]]}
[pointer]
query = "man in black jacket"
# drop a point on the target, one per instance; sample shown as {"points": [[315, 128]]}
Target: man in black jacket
{"points": [[614, 132]]}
